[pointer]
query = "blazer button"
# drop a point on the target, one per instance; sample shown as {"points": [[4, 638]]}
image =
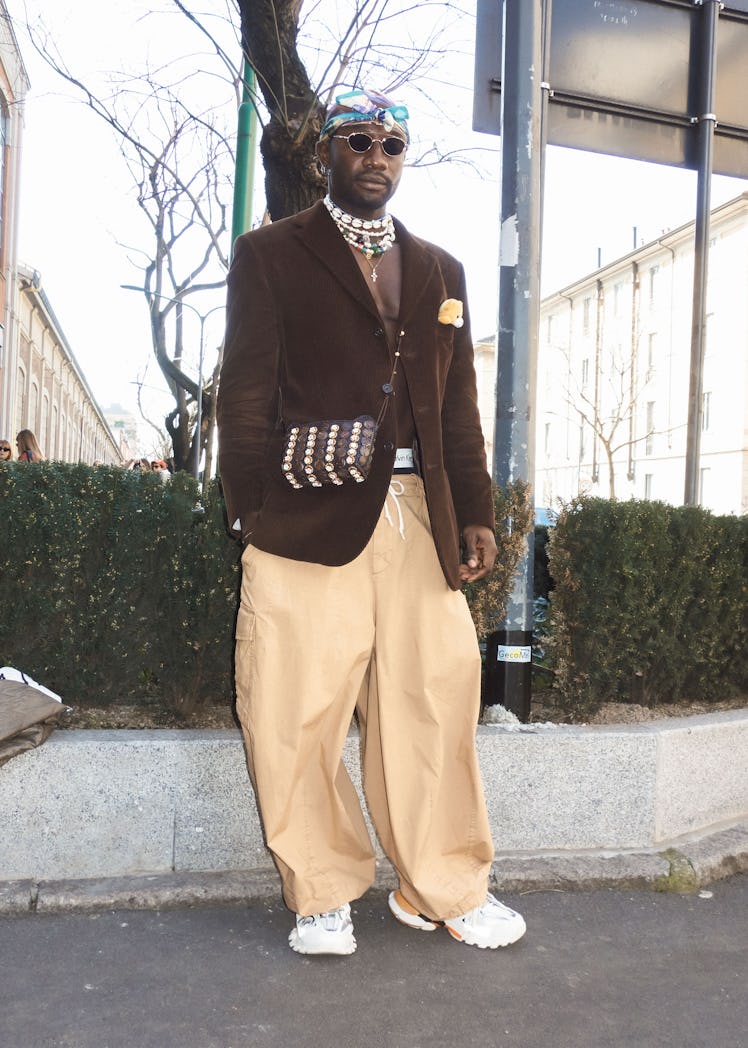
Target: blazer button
{"points": [[388, 446], [378, 333]]}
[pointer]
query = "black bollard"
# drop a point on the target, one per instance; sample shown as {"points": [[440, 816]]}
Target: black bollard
{"points": [[508, 671]]}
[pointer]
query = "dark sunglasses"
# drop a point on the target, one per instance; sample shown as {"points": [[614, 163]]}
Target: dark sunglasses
{"points": [[360, 142], [4, 447]]}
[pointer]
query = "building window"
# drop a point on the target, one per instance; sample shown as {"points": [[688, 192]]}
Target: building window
{"points": [[549, 329], [651, 351], [703, 486], [649, 444], [586, 312], [653, 284], [53, 433], [585, 372], [706, 408], [21, 398], [33, 415], [44, 420], [648, 477], [547, 439], [617, 296]]}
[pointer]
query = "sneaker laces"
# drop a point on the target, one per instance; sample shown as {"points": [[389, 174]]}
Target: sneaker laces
{"points": [[330, 920], [487, 911]]}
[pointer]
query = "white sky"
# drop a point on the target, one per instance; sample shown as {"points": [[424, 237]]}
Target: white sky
{"points": [[77, 207]]}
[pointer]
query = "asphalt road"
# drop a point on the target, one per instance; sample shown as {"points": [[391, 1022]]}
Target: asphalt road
{"points": [[595, 969]]}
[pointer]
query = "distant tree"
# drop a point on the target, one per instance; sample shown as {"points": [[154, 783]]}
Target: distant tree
{"points": [[607, 398], [180, 164], [179, 147]]}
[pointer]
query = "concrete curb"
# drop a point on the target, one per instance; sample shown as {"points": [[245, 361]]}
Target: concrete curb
{"points": [[695, 863]]}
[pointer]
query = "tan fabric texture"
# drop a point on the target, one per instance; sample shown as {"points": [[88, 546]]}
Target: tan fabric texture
{"points": [[387, 634]]}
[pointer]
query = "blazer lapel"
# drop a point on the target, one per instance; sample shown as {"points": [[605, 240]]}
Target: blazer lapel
{"points": [[418, 264], [318, 233], [320, 236]]}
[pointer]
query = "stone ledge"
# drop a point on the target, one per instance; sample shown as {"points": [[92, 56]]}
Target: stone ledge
{"points": [[709, 858], [107, 805]]}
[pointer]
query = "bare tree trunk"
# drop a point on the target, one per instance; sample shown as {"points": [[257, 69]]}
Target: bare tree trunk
{"points": [[210, 442], [611, 471], [292, 178]]}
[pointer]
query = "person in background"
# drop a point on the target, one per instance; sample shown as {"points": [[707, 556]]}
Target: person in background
{"points": [[160, 467], [6, 452], [28, 448]]}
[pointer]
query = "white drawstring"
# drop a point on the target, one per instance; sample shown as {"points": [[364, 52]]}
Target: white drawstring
{"points": [[395, 498]]}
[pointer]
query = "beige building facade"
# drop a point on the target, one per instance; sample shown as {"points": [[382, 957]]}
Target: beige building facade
{"points": [[613, 374], [42, 388], [14, 85], [51, 395]]}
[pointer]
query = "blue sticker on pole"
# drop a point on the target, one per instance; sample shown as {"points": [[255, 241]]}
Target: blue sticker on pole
{"points": [[514, 653]]}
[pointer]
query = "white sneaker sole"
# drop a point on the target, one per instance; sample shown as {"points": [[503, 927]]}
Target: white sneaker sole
{"points": [[319, 942], [397, 904], [509, 931]]}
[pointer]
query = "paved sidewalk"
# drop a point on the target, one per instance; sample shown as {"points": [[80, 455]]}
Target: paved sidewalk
{"points": [[596, 969]]}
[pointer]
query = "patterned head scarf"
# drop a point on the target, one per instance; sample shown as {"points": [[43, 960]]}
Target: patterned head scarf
{"points": [[365, 106]]}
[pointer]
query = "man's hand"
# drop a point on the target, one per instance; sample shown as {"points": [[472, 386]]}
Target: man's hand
{"points": [[480, 552]]}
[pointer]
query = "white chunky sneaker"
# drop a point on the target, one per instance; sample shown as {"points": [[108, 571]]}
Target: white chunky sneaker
{"points": [[330, 932], [487, 926], [409, 915]]}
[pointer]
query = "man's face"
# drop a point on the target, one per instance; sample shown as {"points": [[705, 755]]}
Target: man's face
{"points": [[361, 183]]}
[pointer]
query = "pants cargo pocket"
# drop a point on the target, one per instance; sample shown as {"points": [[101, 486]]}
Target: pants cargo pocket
{"points": [[244, 659]]}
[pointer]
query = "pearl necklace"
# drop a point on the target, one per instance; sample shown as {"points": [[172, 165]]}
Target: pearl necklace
{"points": [[371, 236]]}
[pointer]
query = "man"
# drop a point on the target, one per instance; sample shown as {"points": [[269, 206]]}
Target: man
{"points": [[350, 591]]}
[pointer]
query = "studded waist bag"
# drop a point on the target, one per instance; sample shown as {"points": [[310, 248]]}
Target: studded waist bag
{"points": [[329, 452], [334, 451]]}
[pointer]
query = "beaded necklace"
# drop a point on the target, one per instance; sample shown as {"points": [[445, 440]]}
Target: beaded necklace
{"points": [[371, 236]]}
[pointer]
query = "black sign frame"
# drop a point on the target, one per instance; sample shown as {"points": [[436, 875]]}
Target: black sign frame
{"points": [[626, 78]]}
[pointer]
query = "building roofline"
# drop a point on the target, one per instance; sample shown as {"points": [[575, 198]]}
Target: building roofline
{"points": [[734, 204], [29, 282]]}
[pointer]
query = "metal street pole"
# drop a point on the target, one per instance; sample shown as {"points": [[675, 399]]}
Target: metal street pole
{"points": [[202, 318], [510, 650], [707, 119]]}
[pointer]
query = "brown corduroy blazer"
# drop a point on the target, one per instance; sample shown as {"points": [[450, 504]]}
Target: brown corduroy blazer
{"points": [[304, 341]]}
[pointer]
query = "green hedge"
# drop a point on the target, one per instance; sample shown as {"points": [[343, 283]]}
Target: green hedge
{"points": [[649, 604], [112, 586]]}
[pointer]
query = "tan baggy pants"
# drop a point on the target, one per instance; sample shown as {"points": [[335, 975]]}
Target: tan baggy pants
{"points": [[385, 634]]}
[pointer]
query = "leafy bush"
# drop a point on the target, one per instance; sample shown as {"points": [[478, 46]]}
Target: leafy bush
{"points": [[649, 604], [487, 598]]}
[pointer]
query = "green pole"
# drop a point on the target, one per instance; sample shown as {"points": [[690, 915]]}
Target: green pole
{"points": [[246, 151]]}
